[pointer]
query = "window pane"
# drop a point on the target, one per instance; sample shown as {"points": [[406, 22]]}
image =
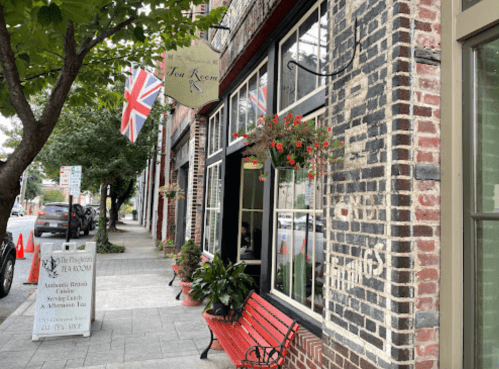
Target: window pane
{"points": [[253, 97], [209, 187], [251, 235], [284, 189], [243, 107], [304, 190], [487, 118], [319, 267], [233, 117], [486, 296], [216, 133], [288, 76], [302, 270], [216, 226], [282, 280], [469, 3], [213, 227], [220, 127], [262, 91], [252, 189], [323, 43], [207, 230], [210, 137], [307, 54]]}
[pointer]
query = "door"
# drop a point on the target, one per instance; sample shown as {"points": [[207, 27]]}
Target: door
{"points": [[183, 181]]}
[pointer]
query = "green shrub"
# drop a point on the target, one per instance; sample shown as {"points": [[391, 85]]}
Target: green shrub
{"points": [[107, 249], [188, 261]]}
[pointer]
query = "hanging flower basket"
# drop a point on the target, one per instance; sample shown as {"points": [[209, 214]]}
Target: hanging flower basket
{"points": [[291, 143], [172, 191]]}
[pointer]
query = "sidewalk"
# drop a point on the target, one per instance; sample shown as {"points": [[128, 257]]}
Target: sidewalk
{"points": [[138, 324]]}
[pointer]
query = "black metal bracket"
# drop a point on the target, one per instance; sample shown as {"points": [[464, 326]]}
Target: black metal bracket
{"points": [[355, 43], [220, 27]]}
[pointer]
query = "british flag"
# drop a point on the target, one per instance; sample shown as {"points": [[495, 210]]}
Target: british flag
{"points": [[259, 100], [141, 91]]}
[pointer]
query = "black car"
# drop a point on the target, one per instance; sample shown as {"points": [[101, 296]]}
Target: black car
{"points": [[91, 213], [53, 218], [7, 262]]}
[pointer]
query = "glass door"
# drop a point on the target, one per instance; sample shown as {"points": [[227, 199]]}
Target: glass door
{"points": [[481, 202]]}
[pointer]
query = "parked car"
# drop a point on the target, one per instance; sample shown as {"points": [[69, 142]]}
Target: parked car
{"points": [[319, 223], [284, 220], [91, 213], [7, 263], [17, 210], [53, 218]]}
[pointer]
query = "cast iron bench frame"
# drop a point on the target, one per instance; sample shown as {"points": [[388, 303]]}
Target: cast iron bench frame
{"points": [[204, 259], [257, 336]]}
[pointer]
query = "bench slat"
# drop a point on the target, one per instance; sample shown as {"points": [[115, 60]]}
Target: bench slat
{"points": [[263, 327], [267, 306], [254, 330], [261, 314]]}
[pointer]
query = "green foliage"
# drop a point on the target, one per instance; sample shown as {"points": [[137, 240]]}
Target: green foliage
{"points": [[33, 184], [219, 283], [110, 34], [188, 261], [107, 248], [53, 196]]}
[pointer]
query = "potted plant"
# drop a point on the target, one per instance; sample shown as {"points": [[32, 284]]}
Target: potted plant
{"points": [[291, 143], [134, 214], [172, 191], [226, 287], [188, 261]]}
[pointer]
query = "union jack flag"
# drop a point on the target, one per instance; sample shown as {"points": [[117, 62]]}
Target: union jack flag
{"points": [[141, 91], [259, 100]]}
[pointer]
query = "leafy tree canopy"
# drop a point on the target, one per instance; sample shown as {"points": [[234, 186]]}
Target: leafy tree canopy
{"points": [[53, 196], [33, 184]]}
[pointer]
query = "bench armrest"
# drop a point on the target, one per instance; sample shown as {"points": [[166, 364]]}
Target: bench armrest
{"points": [[264, 354]]}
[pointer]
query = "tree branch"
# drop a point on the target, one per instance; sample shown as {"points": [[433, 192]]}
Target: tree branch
{"points": [[105, 35], [8, 62]]}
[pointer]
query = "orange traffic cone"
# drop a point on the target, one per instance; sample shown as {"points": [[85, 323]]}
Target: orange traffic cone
{"points": [[303, 249], [30, 245], [35, 267], [284, 246], [20, 247]]}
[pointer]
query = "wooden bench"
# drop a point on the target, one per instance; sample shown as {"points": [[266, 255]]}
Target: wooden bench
{"points": [[204, 259], [259, 337]]}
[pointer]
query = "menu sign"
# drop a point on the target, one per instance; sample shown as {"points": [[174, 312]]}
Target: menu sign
{"points": [[65, 298]]}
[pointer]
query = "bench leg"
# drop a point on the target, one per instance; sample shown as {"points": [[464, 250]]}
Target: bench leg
{"points": [[178, 296], [204, 355], [174, 276]]}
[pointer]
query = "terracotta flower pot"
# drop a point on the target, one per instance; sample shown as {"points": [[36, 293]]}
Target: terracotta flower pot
{"points": [[186, 286]]}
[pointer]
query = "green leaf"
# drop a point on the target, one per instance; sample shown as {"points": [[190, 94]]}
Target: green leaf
{"points": [[138, 32], [55, 13], [24, 57], [44, 16]]}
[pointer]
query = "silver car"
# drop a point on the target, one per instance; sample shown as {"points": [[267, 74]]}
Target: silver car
{"points": [[17, 210]]}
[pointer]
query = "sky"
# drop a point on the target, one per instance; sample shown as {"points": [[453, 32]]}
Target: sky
{"points": [[6, 121]]}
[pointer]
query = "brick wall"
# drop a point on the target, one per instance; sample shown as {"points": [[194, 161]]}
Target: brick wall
{"points": [[384, 200], [161, 199], [305, 351]]}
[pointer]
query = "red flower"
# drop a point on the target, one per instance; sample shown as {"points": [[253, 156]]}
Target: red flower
{"points": [[279, 146], [261, 115], [247, 158], [326, 144], [329, 129], [245, 135], [245, 144], [280, 150], [235, 134], [299, 117], [291, 162], [341, 142], [275, 115], [290, 116], [288, 157], [297, 166], [309, 148], [275, 120], [298, 143], [306, 128], [316, 144], [310, 176], [255, 162], [272, 144]]}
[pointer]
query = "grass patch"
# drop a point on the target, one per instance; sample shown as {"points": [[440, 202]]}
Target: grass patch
{"points": [[107, 249]]}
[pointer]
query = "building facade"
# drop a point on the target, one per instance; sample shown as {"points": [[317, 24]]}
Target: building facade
{"points": [[389, 260]]}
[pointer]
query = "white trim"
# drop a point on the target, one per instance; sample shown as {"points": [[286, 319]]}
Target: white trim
{"points": [[279, 74], [209, 143], [204, 248], [236, 91]]}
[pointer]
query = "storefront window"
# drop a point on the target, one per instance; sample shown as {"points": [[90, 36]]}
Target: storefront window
{"points": [[482, 220], [212, 211], [215, 129], [249, 101], [298, 246], [306, 44], [469, 3]]}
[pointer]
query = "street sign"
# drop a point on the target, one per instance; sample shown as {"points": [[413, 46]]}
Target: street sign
{"points": [[71, 177]]}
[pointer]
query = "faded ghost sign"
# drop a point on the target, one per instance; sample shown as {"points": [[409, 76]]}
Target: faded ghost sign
{"points": [[192, 74]]}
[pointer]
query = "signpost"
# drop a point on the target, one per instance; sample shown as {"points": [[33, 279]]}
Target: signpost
{"points": [[70, 177], [65, 302]]}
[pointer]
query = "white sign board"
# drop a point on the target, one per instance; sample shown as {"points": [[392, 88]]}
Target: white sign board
{"points": [[70, 177], [65, 302]]}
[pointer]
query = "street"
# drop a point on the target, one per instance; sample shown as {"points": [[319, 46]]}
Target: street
{"points": [[19, 291]]}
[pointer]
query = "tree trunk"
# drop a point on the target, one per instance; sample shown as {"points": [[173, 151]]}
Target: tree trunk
{"points": [[101, 236], [117, 201]]}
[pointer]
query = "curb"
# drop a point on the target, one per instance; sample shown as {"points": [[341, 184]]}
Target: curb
{"points": [[20, 310]]}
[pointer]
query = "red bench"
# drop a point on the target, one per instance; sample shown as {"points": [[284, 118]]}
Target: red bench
{"points": [[258, 338], [204, 259]]}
